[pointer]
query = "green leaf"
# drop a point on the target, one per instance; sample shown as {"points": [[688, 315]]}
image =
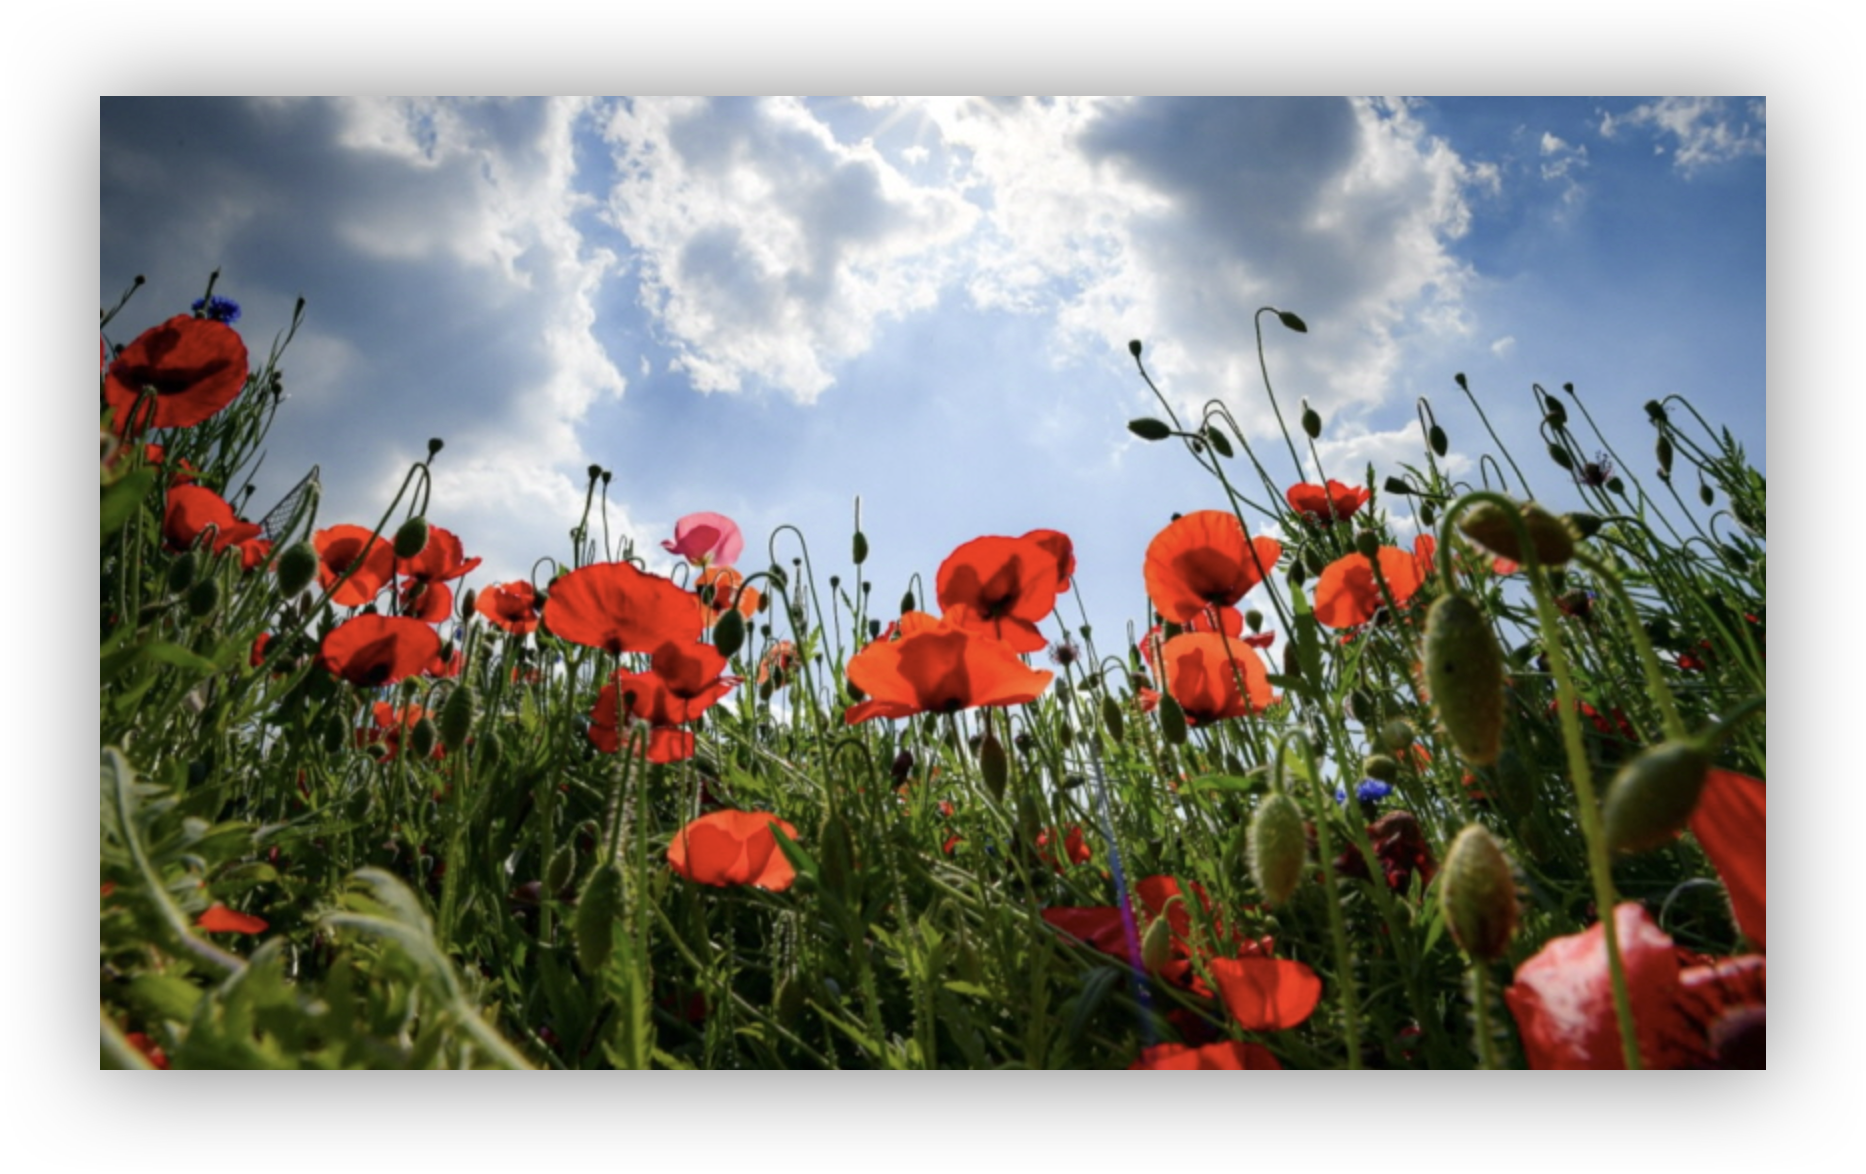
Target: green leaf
{"points": [[1255, 781], [119, 501]]}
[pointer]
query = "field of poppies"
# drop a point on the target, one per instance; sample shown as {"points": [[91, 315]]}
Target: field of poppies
{"points": [[1411, 772]]}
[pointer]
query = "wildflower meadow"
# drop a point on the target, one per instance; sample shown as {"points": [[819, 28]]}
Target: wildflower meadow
{"points": [[1399, 770]]}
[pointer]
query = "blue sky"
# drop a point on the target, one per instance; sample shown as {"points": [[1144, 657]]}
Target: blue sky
{"points": [[765, 308]]}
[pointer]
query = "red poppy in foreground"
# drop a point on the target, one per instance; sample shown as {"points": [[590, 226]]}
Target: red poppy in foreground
{"points": [[1731, 822], [220, 919], [615, 607], [681, 683], [431, 603], [374, 650], [1266, 994], [1227, 1055], [1002, 587], [733, 848], [1203, 671], [1100, 926], [1688, 1012], [937, 668], [706, 540], [191, 510], [1325, 504], [1346, 595], [195, 366], [1203, 560], [341, 547], [512, 607]]}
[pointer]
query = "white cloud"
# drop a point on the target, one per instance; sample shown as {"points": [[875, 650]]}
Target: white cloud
{"points": [[1702, 132], [1503, 346]]}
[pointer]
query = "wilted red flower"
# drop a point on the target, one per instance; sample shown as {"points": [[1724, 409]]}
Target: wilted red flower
{"points": [[615, 607], [1346, 595], [733, 848], [1203, 670], [372, 650], [1731, 822], [1001, 587], [196, 367], [1703, 1015], [1326, 504], [440, 560], [937, 668], [728, 592], [191, 510], [1266, 994], [706, 540], [220, 919], [1227, 1055], [1203, 560], [341, 547], [511, 606], [1401, 848]]}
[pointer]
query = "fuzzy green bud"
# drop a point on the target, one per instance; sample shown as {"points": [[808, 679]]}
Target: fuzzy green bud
{"points": [[1556, 416], [1253, 619], [860, 548], [1428, 514], [1479, 894], [1664, 449], [1220, 444], [1398, 487], [1653, 795], [457, 715], [1488, 524], [422, 737], [1367, 542], [597, 908], [1383, 767], [1441, 444], [1311, 421], [1147, 428], [729, 632], [297, 567], [1156, 948], [1278, 846], [1464, 674], [1560, 456], [1172, 721], [994, 765], [1112, 719], [1582, 525], [181, 572], [469, 604], [562, 867], [1291, 321], [203, 598], [412, 538], [1398, 735]]}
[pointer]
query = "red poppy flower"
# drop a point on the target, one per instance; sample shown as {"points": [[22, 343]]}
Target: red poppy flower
{"points": [[510, 606], [258, 655], [192, 510], [446, 664], [728, 592], [1203, 560], [1075, 846], [341, 547], [615, 607], [681, 683], [151, 1050], [937, 668], [706, 540], [733, 848], [196, 367], [1001, 587], [1202, 673], [372, 650], [1425, 556], [777, 664], [440, 561], [1227, 1055], [389, 725], [431, 603], [1326, 504], [220, 919], [1685, 1016], [1266, 994], [1346, 595], [1731, 822]]}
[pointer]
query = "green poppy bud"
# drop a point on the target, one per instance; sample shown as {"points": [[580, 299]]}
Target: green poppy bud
{"points": [[1253, 619], [1278, 847], [1217, 440], [297, 567], [1397, 735], [423, 737], [1292, 322], [1383, 767], [860, 548], [457, 716], [1665, 454], [469, 604], [1367, 543], [1311, 421], [1428, 513], [1488, 524], [1557, 415], [1655, 411], [1705, 494], [597, 909], [1464, 674], [181, 571], [729, 632], [412, 538], [1315, 559], [1133, 347], [994, 765], [1479, 894], [1560, 456], [563, 866], [1441, 444], [203, 598], [1172, 721], [1398, 487], [1156, 948], [1147, 428], [1653, 795], [1584, 525], [1112, 719]]}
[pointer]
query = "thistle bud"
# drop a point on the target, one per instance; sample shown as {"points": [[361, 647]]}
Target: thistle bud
{"points": [[994, 765], [1172, 720], [181, 571], [595, 926], [1278, 846], [1488, 524], [457, 716], [1156, 949], [297, 567], [203, 598], [860, 550], [1654, 794], [412, 538], [1311, 421], [1479, 894], [1147, 428], [1464, 674], [729, 632]]}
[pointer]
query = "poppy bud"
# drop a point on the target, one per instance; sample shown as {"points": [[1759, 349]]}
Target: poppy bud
{"points": [[1705, 494], [1441, 444], [1112, 719], [1362, 707], [1297, 576], [333, 732], [1428, 513], [1398, 487], [907, 602], [1217, 440], [412, 538], [1292, 322], [1253, 619], [1557, 416], [435, 444], [836, 856], [1380, 767], [1560, 456], [1133, 347], [181, 571], [204, 598], [457, 716], [562, 867], [1464, 674], [422, 738], [1147, 428], [729, 632], [1368, 543], [861, 548], [1278, 845], [1156, 949], [1172, 720], [1615, 485], [1655, 411], [1311, 421], [1488, 524], [491, 748], [1584, 525], [469, 604], [597, 908], [1397, 735], [1654, 794], [994, 765], [1314, 559], [1479, 894]]}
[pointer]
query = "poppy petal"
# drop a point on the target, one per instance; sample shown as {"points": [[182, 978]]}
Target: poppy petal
{"points": [[220, 919], [1562, 998], [1227, 1055], [1731, 822], [1266, 994]]}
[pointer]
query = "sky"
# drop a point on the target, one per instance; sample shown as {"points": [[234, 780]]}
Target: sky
{"points": [[769, 308]]}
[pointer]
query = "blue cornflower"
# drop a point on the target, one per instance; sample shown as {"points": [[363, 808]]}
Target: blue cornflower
{"points": [[217, 309], [1367, 791]]}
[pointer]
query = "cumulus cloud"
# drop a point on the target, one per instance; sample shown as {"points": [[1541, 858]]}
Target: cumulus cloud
{"points": [[1562, 163], [1699, 132], [456, 217]]}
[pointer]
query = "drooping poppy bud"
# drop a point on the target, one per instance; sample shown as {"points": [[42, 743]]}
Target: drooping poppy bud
{"points": [[1293, 322], [411, 538], [994, 765], [1112, 719], [1464, 674], [562, 867], [729, 632], [1311, 421], [1654, 794], [1172, 721], [297, 567], [1156, 948], [422, 738], [1488, 524], [595, 926], [457, 716], [1380, 767], [1560, 456], [1441, 444], [1479, 894], [1397, 735], [1665, 454], [203, 598], [1147, 428], [1278, 845], [181, 572]]}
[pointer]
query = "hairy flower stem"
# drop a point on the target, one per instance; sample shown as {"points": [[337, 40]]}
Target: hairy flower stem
{"points": [[1337, 928]]}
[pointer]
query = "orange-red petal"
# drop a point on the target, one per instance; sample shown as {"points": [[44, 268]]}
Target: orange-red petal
{"points": [[373, 650], [733, 848], [197, 367], [1731, 822], [616, 607], [220, 919], [1266, 994], [1347, 596], [1226, 1055], [1203, 560]]}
